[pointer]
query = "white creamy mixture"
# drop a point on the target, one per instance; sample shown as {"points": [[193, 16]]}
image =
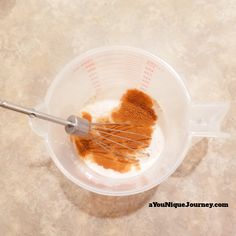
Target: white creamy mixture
{"points": [[104, 108]]}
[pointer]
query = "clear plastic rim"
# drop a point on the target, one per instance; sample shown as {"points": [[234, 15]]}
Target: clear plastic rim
{"points": [[60, 76]]}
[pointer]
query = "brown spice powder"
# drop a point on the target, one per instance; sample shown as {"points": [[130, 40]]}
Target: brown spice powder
{"points": [[138, 116]]}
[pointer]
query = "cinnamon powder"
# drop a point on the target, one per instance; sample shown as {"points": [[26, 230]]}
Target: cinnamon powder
{"points": [[136, 114]]}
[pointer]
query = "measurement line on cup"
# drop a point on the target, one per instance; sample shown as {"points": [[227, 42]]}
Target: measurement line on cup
{"points": [[149, 69], [90, 67]]}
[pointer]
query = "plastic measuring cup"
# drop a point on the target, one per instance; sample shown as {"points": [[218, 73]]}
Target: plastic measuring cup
{"points": [[106, 73]]}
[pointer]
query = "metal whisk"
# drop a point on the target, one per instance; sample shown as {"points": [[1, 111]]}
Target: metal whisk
{"points": [[97, 132]]}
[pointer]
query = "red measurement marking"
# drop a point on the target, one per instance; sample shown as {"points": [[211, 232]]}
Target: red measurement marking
{"points": [[151, 64], [90, 68], [88, 62], [87, 65], [147, 74]]}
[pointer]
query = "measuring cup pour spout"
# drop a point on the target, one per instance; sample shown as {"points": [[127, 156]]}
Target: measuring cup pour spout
{"points": [[206, 119]]}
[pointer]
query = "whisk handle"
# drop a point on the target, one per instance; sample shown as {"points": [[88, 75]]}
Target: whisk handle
{"points": [[33, 113]]}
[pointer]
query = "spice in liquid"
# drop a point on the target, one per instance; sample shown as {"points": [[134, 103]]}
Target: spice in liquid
{"points": [[137, 114]]}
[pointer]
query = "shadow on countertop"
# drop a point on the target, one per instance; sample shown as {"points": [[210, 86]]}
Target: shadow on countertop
{"points": [[113, 206], [104, 206], [100, 205], [193, 158]]}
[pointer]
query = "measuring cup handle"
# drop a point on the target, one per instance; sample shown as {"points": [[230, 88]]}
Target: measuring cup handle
{"points": [[206, 119], [40, 127]]}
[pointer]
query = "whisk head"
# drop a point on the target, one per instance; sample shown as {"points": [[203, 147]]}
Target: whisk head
{"points": [[118, 139]]}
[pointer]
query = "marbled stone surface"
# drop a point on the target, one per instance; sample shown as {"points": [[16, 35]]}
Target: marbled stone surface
{"points": [[198, 38]]}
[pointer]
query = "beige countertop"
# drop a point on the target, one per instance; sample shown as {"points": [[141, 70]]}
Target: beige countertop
{"points": [[198, 38]]}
